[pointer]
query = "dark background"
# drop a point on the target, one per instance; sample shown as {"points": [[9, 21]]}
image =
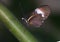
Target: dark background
{"points": [[48, 32]]}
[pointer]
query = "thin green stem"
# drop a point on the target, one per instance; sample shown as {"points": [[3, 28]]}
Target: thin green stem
{"points": [[14, 26]]}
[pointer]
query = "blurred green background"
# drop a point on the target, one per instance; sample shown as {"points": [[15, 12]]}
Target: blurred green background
{"points": [[48, 32]]}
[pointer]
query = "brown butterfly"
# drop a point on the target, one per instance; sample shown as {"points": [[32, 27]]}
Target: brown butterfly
{"points": [[38, 16]]}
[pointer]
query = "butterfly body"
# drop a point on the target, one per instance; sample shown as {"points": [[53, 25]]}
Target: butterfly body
{"points": [[38, 16]]}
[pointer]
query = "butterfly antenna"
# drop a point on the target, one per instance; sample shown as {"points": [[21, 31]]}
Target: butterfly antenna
{"points": [[25, 20]]}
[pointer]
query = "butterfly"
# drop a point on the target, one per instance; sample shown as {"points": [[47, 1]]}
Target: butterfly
{"points": [[38, 16]]}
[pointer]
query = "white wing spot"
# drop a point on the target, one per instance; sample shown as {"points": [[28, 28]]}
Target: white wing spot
{"points": [[39, 12]]}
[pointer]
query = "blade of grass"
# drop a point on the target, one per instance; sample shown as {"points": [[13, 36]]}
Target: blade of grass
{"points": [[14, 26]]}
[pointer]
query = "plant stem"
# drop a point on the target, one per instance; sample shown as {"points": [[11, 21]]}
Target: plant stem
{"points": [[14, 26]]}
